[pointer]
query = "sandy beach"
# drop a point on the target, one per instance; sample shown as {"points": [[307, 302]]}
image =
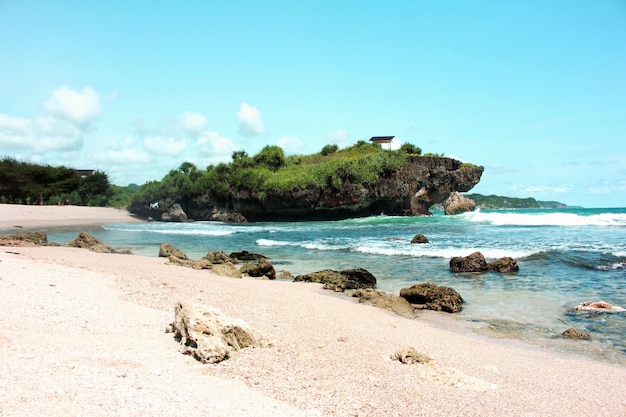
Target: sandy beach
{"points": [[83, 333], [17, 215]]}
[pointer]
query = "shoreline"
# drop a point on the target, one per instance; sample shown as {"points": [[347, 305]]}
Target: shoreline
{"points": [[330, 356], [85, 332]]}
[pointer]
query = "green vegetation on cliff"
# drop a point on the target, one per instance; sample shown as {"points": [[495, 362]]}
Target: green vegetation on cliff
{"points": [[271, 172], [498, 202]]}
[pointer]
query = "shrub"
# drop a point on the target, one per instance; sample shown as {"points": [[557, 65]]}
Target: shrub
{"points": [[271, 156], [328, 149], [410, 149]]}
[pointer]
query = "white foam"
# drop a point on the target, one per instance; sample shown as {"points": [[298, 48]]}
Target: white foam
{"points": [[547, 219], [270, 242]]}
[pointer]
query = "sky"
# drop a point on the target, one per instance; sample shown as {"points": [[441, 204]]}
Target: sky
{"points": [[534, 90]]}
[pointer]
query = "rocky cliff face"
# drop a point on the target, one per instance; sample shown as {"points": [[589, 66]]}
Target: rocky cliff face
{"points": [[411, 190]]}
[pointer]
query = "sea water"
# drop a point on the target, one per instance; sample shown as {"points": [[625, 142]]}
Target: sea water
{"points": [[565, 256]]}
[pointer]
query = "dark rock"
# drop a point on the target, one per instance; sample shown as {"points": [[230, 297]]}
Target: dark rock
{"points": [[218, 257], [433, 297], [457, 204], [24, 239], [471, 263], [244, 255], [409, 355], [398, 305], [263, 268], [419, 238], [166, 250], [174, 214], [506, 264], [572, 333], [86, 241], [349, 279]]}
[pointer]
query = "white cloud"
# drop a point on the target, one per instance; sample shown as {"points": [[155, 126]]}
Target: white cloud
{"points": [[165, 145], [339, 137], [80, 108], [250, 123], [214, 147], [121, 157], [121, 153], [16, 132], [193, 123], [54, 134], [19, 125], [290, 144]]}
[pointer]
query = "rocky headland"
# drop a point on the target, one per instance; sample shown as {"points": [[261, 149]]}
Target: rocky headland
{"points": [[409, 190]]}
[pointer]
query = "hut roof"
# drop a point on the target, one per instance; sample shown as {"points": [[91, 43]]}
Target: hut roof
{"points": [[381, 139]]}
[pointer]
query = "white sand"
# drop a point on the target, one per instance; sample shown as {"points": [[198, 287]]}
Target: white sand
{"points": [[17, 215], [82, 333]]}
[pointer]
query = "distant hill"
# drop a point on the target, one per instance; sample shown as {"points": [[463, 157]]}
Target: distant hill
{"points": [[500, 202]]}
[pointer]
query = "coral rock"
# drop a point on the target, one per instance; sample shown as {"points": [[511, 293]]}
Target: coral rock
{"points": [[208, 335], [598, 307]]}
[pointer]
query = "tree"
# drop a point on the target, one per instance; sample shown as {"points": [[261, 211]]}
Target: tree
{"points": [[410, 149], [96, 183], [271, 156], [239, 155]]}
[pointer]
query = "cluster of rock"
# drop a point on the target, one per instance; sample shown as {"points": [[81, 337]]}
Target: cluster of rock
{"points": [[590, 307], [339, 281], [476, 262], [221, 263], [83, 241], [210, 325], [24, 239], [361, 284], [86, 241]]}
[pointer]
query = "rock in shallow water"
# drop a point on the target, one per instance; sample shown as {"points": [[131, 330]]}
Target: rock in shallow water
{"points": [[348, 279], [474, 262], [433, 297], [598, 307], [572, 333]]}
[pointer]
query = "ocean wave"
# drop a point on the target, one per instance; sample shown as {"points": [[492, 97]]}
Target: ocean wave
{"points": [[616, 266], [386, 249], [447, 253], [311, 245], [546, 219], [176, 229]]}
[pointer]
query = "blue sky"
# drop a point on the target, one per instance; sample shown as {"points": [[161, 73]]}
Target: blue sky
{"points": [[534, 91]]}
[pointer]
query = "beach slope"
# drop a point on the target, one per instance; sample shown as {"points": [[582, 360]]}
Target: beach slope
{"points": [[83, 333]]}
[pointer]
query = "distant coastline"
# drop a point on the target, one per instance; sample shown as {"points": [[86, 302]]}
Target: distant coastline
{"points": [[494, 202]]}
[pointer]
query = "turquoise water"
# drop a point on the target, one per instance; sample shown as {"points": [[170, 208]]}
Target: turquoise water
{"points": [[566, 256]]}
